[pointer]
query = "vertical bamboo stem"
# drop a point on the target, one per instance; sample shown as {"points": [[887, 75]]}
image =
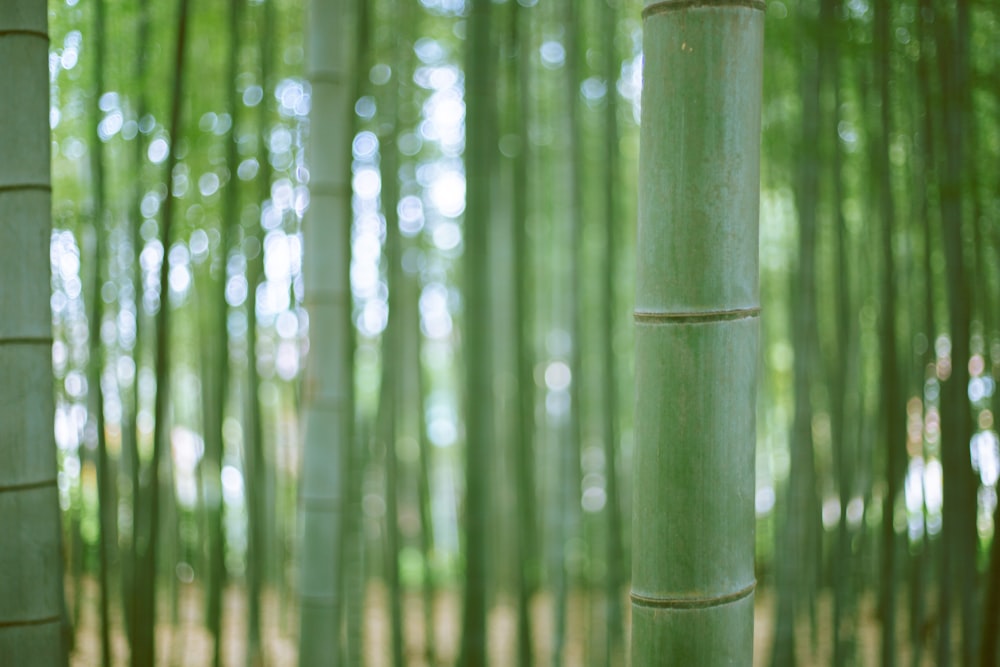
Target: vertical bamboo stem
{"points": [[31, 594], [328, 395], [697, 306], [477, 337], [144, 649]]}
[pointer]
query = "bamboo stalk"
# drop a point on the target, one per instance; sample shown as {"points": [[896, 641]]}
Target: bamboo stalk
{"points": [[614, 649], [476, 335], [328, 395], [105, 491], [697, 306], [31, 592], [144, 650]]}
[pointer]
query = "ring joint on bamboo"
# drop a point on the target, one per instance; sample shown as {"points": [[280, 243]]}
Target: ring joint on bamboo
{"points": [[665, 6], [693, 603], [25, 340], [27, 486], [22, 187], [25, 32], [695, 317], [30, 621]]}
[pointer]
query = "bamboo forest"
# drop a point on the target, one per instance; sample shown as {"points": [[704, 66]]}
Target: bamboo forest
{"points": [[575, 333]]}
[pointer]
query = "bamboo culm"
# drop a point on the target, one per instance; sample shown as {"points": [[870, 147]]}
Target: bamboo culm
{"points": [[697, 306]]}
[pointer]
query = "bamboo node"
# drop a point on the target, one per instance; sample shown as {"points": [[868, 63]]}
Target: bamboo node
{"points": [[21, 187], [17, 623], [24, 31], [694, 317], [692, 602], [27, 486], [26, 340], [665, 6]]}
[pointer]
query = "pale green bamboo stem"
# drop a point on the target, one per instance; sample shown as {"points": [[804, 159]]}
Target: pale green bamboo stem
{"points": [[614, 553], [570, 473], [130, 451], [390, 393], [258, 464], [697, 305], [155, 481], [31, 594], [328, 392], [354, 540], [147, 539], [527, 552], [105, 502], [477, 338]]}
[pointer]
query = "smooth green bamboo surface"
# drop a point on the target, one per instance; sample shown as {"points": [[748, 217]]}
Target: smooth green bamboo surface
{"points": [[327, 393], [477, 334], [31, 602], [105, 497], [697, 307]]}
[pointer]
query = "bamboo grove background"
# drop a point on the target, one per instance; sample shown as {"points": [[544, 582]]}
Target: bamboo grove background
{"points": [[181, 176]]}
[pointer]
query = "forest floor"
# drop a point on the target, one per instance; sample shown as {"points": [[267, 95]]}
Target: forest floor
{"points": [[183, 640]]}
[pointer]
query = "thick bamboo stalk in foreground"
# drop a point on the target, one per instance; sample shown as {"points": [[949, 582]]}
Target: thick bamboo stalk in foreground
{"points": [[697, 307], [31, 596]]}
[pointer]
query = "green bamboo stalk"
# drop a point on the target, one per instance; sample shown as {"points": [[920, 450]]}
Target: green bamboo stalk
{"points": [[354, 553], [256, 467], [477, 348], [390, 392], [170, 540], [990, 614], [958, 565], [219, 371], [697, 306], [256, 462], [426, 463], [843, 349], [614, 649], [31, 592], [410, 386], [392, 399], [388, 426], [893, 414], [105, 494], [796, 574], [77, 551], [354, 539], [328, 395], [924, 154], [144, 651], [961, 151], [212, 376], [409, 381], [265, 20], [525, 406], [991, 601], [570, 475], [130, 408]]}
